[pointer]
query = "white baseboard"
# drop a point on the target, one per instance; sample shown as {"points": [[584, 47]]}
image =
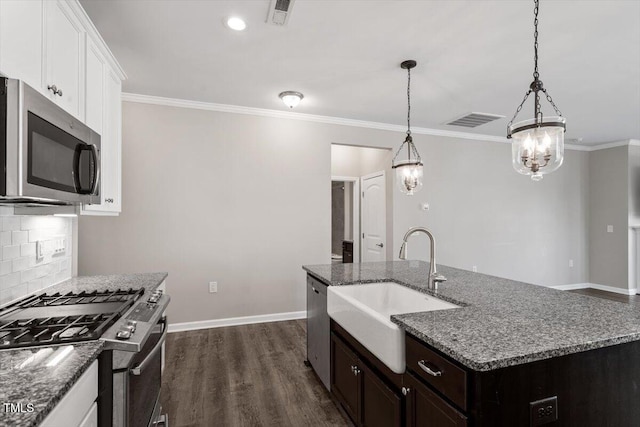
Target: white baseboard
{"points": [[235, 321], [632, 291], [573, 286]]}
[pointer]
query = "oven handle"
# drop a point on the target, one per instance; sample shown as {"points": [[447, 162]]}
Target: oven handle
{"points": [[137, 370]]}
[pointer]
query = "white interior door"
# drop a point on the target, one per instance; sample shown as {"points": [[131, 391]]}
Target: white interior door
{"points": [[374, 217]]}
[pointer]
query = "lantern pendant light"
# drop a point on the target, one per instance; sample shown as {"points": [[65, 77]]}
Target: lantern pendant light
{"points": [[538, 143], [408, 169]]}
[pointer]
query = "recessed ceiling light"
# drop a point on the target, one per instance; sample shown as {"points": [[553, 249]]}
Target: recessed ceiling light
{"points": [[236, 23]]}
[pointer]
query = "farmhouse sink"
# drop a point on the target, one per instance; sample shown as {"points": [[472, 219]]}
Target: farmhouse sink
{"points": [[364, 310]]}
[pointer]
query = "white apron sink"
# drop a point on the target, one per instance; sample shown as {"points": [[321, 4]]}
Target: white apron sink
{"points": [[364, 310]]}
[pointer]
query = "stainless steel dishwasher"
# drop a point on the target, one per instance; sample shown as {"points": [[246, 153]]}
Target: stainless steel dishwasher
{"points": [[318, 330]]}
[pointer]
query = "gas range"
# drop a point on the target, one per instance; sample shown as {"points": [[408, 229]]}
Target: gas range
{"points": [[122, 318], [63, 318]]}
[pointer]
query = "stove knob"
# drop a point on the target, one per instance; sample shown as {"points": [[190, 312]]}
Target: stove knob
{"points": [[132, 324], [123, 335]]}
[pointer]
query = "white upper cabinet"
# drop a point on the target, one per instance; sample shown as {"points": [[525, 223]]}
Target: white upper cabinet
{"points": [[111, 150], [94, 87], [64, 57], [21, 47], [53, 46]]}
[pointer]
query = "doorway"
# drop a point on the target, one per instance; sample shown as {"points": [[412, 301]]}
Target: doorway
{"points": [[345, 219], [361, 204]]}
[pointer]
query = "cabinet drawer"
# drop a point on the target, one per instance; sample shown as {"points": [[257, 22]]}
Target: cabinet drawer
{"points": [[442, 374]]}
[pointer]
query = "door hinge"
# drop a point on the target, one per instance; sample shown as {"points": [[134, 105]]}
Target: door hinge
{"points": [[363, 194], [363, 235]]}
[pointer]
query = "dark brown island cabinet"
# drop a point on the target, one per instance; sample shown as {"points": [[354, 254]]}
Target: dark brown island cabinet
{"points": [[595, 388]]}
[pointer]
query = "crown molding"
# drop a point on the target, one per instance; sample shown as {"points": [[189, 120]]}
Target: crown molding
{"points": [[263, 112]]}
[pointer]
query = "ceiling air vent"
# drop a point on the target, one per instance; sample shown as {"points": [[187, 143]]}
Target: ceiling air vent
{"points": [[279, 12], [473, 120]]}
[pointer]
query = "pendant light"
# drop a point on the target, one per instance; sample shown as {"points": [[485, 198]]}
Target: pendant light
{"points": [[408, 169], [538, 143]]}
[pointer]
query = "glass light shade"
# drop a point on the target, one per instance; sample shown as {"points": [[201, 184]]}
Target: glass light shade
{"points": [[409, 176], [291, 98], [537, 149]]}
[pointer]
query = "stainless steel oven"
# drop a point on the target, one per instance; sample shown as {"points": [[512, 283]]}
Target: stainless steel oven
{"points": [[47, 156], [136, 342]]}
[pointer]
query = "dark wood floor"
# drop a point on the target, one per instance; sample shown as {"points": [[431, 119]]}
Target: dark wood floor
{"points": [[251, 375], [608, 295]]}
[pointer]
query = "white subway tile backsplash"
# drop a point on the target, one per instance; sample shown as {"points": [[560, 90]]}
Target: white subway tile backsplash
{"points": [[5, 267], [28, 249], [20, 272], [20, 264], [5, 238], [11, 252], [19, 237], [10, 223]]}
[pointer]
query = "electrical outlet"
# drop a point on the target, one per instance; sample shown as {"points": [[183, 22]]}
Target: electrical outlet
{"points": [[609, 228], [543, 411], [475, 268], [570, 263], [213, 287]]}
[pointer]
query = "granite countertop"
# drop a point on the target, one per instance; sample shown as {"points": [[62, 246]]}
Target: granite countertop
{"points": [[41, 386], [501, 322], [149, 281], [44, 387]]}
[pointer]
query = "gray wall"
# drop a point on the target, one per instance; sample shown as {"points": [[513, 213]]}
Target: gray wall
{"points": [[245, 200], [609, 205]]}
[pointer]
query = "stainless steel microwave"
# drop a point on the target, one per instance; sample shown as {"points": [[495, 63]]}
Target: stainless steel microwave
{"points": [[47, 156]]}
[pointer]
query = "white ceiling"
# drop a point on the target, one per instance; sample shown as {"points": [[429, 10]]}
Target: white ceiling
{"points": [[345, 55]]}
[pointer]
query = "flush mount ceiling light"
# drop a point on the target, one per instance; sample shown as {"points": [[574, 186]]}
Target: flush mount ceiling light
{"points": [[236, 23], [291, 98], [408, 169], [538, 143]]}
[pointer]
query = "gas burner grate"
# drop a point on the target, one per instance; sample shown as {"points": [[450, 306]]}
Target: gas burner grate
{"points": [[57, 318]]}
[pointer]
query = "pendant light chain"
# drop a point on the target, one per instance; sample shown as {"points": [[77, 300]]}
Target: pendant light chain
{"points": [[409, 101], [536, 86], [536, 9]]}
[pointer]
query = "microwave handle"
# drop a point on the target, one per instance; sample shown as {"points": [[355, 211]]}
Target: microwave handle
{"points": [[96, 169]]}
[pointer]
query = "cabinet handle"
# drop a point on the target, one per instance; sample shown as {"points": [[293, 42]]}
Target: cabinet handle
{"points": [[355, 370], [405, 390], [315, 290], [428, 370], [55, 90], [380, 245]]}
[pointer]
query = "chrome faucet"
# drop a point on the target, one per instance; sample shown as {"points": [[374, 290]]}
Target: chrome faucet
{"points": [[434, 277]]}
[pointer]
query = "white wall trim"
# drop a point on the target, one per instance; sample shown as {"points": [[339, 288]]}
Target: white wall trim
{"points": [[235, 321], [573, 286], [263, 112]]}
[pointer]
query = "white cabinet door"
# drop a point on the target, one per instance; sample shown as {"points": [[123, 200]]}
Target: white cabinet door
{"points": [[64, 57], [91, 420], [94, 88], [21, 40], [76, 404], [111, 150]]}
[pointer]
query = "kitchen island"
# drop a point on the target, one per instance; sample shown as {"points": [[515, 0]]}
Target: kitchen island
{"points": [[35, 392], [514, 344]]}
